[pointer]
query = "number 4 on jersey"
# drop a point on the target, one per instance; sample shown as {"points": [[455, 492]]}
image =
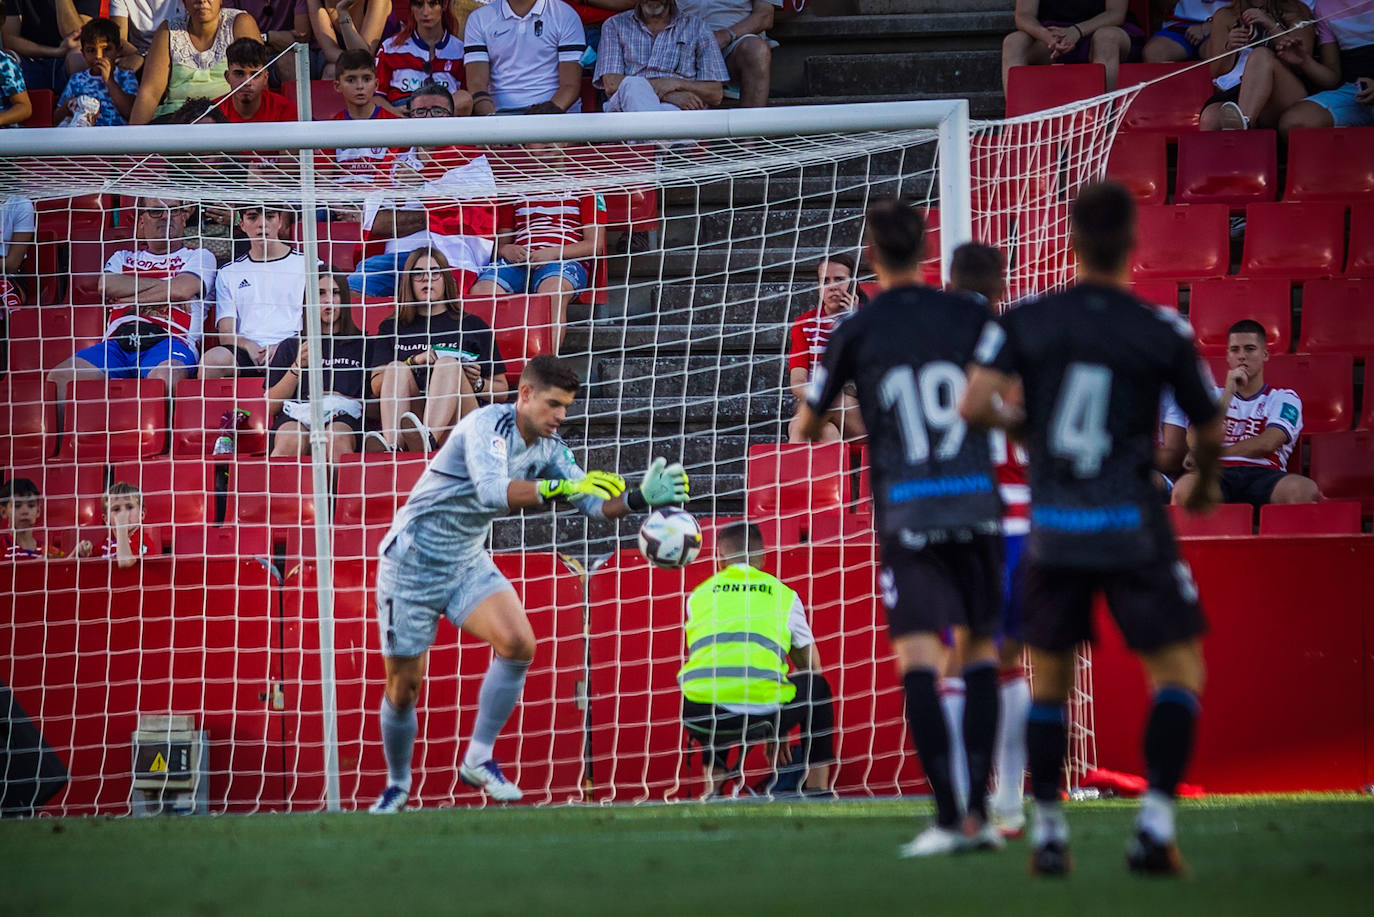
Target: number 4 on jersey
{"points": [[1078, 430]]}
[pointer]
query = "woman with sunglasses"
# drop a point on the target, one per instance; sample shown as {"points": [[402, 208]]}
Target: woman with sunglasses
{"points": [[431, 351], [428, 48], [189, 61]]}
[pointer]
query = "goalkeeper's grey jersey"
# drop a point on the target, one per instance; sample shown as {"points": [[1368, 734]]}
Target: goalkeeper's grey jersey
{"points": [[446, 519]]}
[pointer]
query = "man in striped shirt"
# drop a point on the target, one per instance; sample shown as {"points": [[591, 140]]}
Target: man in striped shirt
{"points": [[657, 58], [839, 295]]}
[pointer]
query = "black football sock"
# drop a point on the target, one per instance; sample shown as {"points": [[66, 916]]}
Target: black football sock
{"points": [[1169, 737], [928, 733], [980, 732], [1047, 741]]}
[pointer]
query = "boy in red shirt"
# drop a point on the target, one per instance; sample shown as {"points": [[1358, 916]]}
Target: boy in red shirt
{"points": [[21, 506], [246, 75], [128, 540]]}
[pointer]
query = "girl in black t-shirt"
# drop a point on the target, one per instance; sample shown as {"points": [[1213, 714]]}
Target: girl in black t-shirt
{"points": [[343, 351], [433, 353]]}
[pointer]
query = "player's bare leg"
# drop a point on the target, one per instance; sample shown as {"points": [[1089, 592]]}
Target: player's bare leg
{"points": [[500, 621], [851, 421], [919, 657], [1013, 704], [1176, 674], [404, 675], [1047, 742]]}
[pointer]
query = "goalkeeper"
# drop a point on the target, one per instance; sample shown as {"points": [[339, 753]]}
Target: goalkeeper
{"points": [[434, 564]]}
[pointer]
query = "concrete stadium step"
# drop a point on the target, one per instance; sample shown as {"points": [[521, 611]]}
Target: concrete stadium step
{"points": [[772, 224], [930, 71], [631, 453], [749, 305], [701, 336], [893, 9], [982, 104], [762, 416], [813, 189], [677, 377], [737, 265]]}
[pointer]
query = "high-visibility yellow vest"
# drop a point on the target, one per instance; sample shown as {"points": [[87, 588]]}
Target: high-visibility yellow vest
{"points": [[737, 639]]}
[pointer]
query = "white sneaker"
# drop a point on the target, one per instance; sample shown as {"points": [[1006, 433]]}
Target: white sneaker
{"points": [[1231, 118], [933, 841], [392, 800], [374, 435], [983, 836], [431, 444], [487, 776]]}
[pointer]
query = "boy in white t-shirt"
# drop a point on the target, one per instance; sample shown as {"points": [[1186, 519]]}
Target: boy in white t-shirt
{"points": [[1183, 32], [258, 297], [1262, 427], [18, 223]]}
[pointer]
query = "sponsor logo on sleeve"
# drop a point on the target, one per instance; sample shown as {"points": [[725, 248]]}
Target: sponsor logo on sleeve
{"points": [[1289, 414]]}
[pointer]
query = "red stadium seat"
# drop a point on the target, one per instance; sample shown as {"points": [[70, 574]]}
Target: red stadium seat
{"points": [[1170, 106], [370, 311], [71, 493], [199, 406], [522, 326], [222, 541], [43, 104], [338, 240], [1031, 89], [1295, 241], [1226, 519], [41, 337], [795, 480], [1367, 415], [1360, 262], [176, 494], [1157, 292], [276, 493], [1215, 305], [358, 541], [1330, 164], [1343, 466], [83, 217], [1186, 242], [1337, 315], [1325, 382], [87, 260], [373, 485], [115, 420], [839, 527], [1140, 161], [1330, 518], [1227, 167], [28, 419], [325, 102]]}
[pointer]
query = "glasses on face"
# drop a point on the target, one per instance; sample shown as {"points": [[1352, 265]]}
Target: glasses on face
{"points": [[433, 111], [432, 273], [160, 213]]}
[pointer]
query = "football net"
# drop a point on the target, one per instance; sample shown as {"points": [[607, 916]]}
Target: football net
{"points": [[234, 664]]}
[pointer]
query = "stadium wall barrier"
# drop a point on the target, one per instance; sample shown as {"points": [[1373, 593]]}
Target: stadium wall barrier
{"points": [[1289, 703]]}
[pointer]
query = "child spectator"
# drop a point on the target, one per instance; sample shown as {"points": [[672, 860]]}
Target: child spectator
{"points": [[356, 80], [343, 356], [15, 106], [432, 350], [128, 541], [258, 297], [1072, 32], [18, 224], [336, 30], [111, 86], [21, 506], [247, 76], [547, 247], [426, 49], [1256, 84], [1183, 33]]}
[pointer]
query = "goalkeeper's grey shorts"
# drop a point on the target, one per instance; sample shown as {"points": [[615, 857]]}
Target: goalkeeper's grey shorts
{"points": [[407, 611]]}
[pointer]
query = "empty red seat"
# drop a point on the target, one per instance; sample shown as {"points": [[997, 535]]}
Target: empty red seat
{"points": [[522, 326], [42, 102], [114, 420], [358, 541], [790, 480], [1324, 382], [71, 493], [1170, 105], [41, 337], [1140, 161], [1215, 305], [1227, 167], [1343, 466], [1295, 241], [28, 419], [221, 541], [373, 485], [1328, 518], [1360, 261], [1337, 315], [1226, 519], [1031, 89], [1367, 415], [338, 240], [275, 493], [1329, 164], [839, 527], [370, 311], [176, 494], [1184, 242], [325, 101], [1157, 292], [199, 406]]}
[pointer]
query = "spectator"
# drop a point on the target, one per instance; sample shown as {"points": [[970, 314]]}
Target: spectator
{"points": [[356, 80], [336, 30], [432, 350], [258, 297], [247, 77], [21, 507], [110, 85], [657, 58], [139, 21], [547, 248], [1256, 84], [18, 225], [15, 107], [282, 23], [1347, 28], [744, 620], [1262, 427], [128, 540], [156, 293], [190, 62], [839, 295], [739, 27], [524, 56], [42, 34], [463, 232], [1183, 33], [594, 14], [1072, 32], [426, 49], [1171, 441], [343, 363]]}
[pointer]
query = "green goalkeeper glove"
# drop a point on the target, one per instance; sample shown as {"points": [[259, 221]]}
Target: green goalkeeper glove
{"points": [[662, 484], [602, 484]]}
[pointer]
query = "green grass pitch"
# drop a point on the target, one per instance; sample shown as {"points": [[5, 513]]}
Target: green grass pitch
{"points": [[1303, 856]]}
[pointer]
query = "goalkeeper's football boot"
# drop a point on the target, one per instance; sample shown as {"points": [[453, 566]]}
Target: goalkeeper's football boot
{"points": [[934, 841], [1051, 859], [1147, 856], [487, 777], [392, 800]]}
